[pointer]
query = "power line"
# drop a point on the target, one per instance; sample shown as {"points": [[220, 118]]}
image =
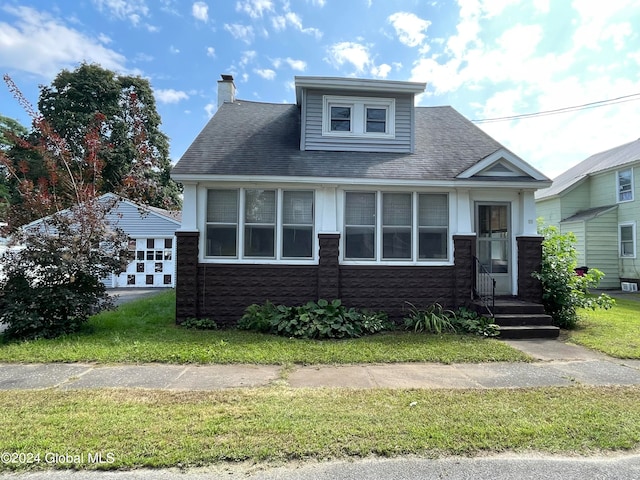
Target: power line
{"points": [[602, 103]]}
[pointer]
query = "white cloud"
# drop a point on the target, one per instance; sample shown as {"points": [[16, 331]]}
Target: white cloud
{"points": [[381, 71], [352, 53], [211, 52], [200, 11], [36, 42], [132, 10], [255, 8], [247, 56], [299, 65], [174, 50], [266, 73], [409, 27], [170, 95], [240, 32], [210, 108], [280, 22]]}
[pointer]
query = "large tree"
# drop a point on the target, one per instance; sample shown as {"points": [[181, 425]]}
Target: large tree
{"points": [[70, 105]]}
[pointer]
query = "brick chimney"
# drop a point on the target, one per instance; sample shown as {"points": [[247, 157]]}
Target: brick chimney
{"points": [[226, 90]]}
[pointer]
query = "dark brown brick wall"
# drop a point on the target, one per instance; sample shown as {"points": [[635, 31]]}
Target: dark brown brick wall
{"points": [[529, 260], [222, 291]]}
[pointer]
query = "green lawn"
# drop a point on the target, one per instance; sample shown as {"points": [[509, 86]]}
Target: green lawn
{"points": [[145, 331], [615, 332], [144, 428]]}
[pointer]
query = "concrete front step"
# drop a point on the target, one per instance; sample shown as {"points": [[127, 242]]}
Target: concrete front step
{"points": [[516, 306], [529, 331], [522, 319]]}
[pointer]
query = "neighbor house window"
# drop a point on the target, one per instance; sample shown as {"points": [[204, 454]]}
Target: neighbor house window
{"points": [[260, 224], [358, 116], [396, 226], [625, 185], [627, 235]]}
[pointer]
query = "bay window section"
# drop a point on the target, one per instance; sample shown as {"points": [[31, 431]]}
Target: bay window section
{"points": [[259, 223], [396, 226], [222, 223], [433, 226], [297, 224], [360, 225]]}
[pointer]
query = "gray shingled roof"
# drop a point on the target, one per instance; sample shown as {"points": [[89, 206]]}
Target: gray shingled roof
{"points": [[249, 138], [612, 158], [589, 213]]}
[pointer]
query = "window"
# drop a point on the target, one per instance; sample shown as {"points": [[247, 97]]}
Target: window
{"points": [[360, 225], [627, 235], [358, 116], [297, 224], [412, 226], [625, 185], [433, 226], [396, 226], [222, 223], [260, 224]]}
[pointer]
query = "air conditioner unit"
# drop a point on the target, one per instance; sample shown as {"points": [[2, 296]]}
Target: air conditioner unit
{"points": [[629, 286]]}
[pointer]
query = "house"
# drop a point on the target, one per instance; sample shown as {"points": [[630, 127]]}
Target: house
{"points": [[597, 201], [152, 244], [352, 193]]}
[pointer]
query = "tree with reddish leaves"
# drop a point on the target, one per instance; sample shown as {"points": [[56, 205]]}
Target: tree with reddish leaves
{"points": [[50, 285]]}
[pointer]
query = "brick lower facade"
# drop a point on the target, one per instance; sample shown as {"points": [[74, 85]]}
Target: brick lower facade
{"points": [[223, 291]]}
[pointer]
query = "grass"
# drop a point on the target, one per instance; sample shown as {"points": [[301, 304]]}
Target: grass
{"points": [[615, 332], [145, 428], [144, 331]]}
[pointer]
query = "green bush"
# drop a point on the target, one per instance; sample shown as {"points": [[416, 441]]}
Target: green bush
{"points": [[432, 319], [313, 320], [564, 291], [468, 321], [199, 324]]}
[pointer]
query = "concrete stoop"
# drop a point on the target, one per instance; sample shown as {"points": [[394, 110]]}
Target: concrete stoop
{"points": [[519, 319]]}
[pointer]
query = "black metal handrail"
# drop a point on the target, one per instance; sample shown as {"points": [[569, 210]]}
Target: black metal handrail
{"points": [[484, 288]]}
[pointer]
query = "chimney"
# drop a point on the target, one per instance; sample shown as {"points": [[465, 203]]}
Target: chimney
{"points": [[226, 90]]}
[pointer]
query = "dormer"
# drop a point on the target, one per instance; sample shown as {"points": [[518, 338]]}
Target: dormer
{"points": [[350, 114]]}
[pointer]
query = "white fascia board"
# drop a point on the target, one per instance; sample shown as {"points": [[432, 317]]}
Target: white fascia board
{"points": [[514, 160], [356, 84], [355, 182]]}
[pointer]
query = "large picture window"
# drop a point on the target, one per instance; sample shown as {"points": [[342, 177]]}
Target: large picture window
{"points": [[394, 226], [259, 224]]}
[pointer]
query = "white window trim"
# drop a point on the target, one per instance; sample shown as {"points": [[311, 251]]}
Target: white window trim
{"points": [[415, 231], [358, 107], [618, 200], [633, 237], [239, 258]]}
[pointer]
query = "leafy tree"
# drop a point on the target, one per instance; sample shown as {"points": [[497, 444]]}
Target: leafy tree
{"points": [[10, 132], [127, 106], [52, 285], [564, 291]]}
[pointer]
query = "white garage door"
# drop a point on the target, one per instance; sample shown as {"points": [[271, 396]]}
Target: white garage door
{"points": [[153, 265]]}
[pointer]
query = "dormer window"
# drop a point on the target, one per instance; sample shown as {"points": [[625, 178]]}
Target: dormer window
{"points": [[358, 116]]}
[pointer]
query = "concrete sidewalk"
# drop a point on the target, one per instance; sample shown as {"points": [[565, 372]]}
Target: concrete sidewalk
{"points": [[556, 364]]}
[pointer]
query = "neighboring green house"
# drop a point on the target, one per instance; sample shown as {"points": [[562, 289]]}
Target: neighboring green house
{"points": [[597, 200]]}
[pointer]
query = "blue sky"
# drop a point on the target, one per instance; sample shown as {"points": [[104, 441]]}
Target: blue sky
{"points": [[486, 58]]}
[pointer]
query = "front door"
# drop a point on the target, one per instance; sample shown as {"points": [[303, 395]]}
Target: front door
{"points": [[493, 226]]}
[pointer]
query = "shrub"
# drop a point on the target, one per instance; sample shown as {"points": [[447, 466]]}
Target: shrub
{"points": [[564, 291], [313, 320], [200, 324], [432, 319], [468, 321]]}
